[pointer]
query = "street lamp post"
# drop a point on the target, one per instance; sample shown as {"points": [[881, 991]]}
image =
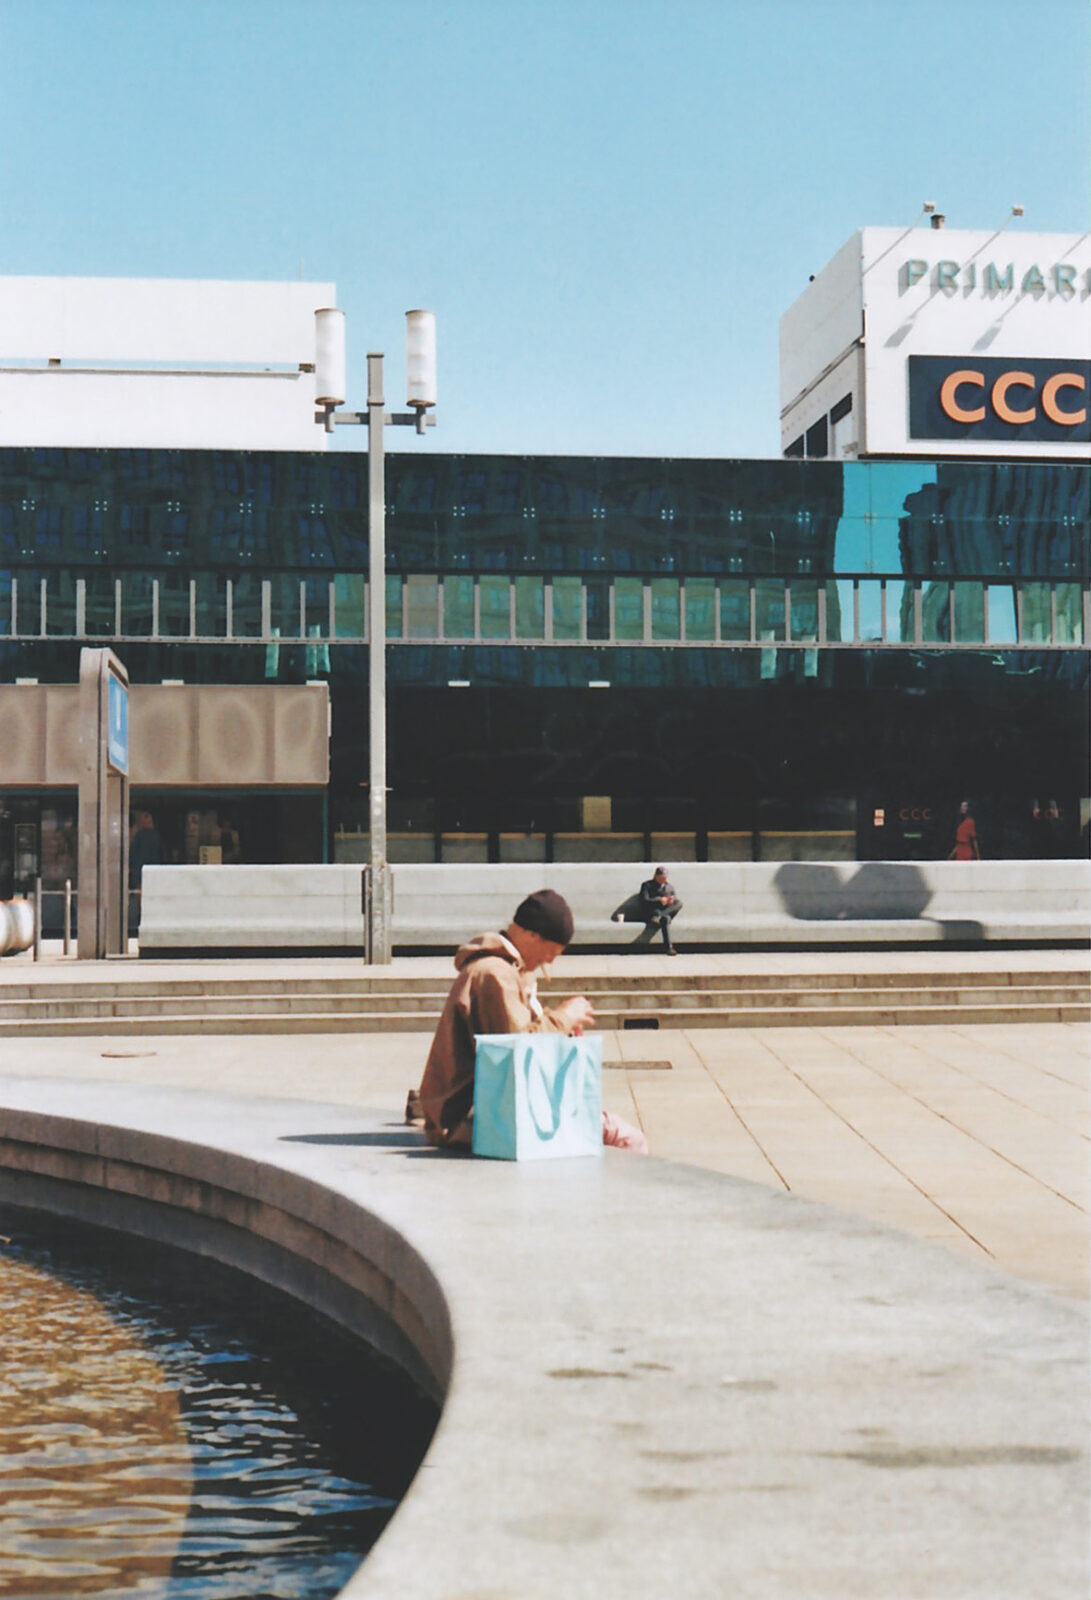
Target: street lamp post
{"points": [[421, 396]]}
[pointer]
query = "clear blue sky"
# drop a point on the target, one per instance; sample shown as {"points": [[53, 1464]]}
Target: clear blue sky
{"points": [[608, 203]]}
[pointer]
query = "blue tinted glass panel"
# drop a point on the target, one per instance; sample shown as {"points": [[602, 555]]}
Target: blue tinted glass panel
{"points": [[1037, 626], [136, 604], [529, 608], [495, 602], [1001, 613], [422, 605], [804, 593], [567, 607], [1069, 614], [666, 608], [899, 611], [870, 591], [598, 608], [935, 613], [316, 599], [61, 603], [246, 607], [701, 608], [769, 598], [839, 611], [348, 602], [458, 606], [734, 609], [969, 613], [98, 606], [628, 608]]}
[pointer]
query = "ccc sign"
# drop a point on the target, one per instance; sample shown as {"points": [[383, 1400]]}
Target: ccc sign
{"points": [[996, 397]]}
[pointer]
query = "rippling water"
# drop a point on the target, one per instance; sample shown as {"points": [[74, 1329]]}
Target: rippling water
{"points": [[171, 1430]]}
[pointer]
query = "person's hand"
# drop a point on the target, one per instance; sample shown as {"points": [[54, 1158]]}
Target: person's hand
{"points": [[576, 1014]]}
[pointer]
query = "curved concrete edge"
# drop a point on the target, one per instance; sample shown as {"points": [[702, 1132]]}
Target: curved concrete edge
{"points": [[664, 1382]]}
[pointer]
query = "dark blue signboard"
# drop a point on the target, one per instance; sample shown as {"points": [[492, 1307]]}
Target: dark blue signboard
{"points": [[117, 735], [1003, 398]]}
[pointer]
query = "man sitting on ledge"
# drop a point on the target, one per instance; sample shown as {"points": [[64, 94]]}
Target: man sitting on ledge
{"points": [[495, 992], [659, 905]]}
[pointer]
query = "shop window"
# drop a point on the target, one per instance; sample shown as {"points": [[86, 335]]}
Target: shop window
{"points": [[458, 606], [598, 608], [246, 609], [529, 608], [700, 609], [870, 592], [804, 595], [734, 609], [1069, 614], [136, 605], [839, 611], [316, 605], [899, 611], [969, 613], [769, 600], [1036, 613], [349, 609], [936, 613], [422, 606], [1002, 628], [567, 608], [494, 599], [666, 608], [629, 609]]}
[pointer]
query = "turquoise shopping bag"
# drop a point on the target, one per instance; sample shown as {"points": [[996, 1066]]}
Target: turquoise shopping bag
{"points": [[537, 1095]]}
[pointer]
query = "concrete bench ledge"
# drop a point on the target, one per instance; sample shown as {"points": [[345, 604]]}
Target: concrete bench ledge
{"points": [[724, 903], [655, 1381]]}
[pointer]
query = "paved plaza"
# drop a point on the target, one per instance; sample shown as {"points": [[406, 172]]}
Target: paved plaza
{"points": [[974, 1136]]}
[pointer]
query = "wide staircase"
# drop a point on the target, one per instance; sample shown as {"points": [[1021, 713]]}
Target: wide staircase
{"points": [[124, 1001]]}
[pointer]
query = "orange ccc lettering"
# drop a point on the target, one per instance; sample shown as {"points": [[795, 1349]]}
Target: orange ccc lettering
{"points": [[955, 406]]}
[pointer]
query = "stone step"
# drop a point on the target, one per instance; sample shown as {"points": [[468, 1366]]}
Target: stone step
{"points": [[424, 1008], [871, 1014], [157, 985]]}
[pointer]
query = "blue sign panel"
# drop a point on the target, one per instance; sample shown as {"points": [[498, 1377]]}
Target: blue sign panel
{"points": [[1000, 398], [117, 736]]}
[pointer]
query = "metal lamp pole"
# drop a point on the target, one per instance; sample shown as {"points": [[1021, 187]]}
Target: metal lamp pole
{"points": [[421, 376], [376, 676]]}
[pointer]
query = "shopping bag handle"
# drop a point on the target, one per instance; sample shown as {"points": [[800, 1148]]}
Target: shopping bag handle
{"points": [[554, 1096]]}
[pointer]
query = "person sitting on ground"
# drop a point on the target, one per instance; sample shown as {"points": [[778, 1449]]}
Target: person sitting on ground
{"points": [[495, 992], [659, 905]]}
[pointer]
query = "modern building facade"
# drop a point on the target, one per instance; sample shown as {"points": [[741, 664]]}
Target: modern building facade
{"points": [[588, 658]]}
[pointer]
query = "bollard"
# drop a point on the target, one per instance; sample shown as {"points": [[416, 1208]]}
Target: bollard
{"points": [[37, 919], [67, 915]]}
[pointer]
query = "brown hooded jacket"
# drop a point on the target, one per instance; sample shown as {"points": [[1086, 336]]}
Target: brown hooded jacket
{"points": [[493, 993]]}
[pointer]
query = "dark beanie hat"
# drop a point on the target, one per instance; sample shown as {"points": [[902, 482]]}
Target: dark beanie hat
{"points": [[546, 913]]}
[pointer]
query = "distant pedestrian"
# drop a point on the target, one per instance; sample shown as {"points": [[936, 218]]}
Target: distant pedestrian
{"points": [[659, 905], [965, 847]]}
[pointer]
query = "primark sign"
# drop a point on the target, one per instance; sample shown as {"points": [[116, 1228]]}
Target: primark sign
{"points": [[1061, 281], [1002, 398]]}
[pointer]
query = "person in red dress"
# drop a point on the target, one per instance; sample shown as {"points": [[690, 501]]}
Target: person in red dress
{"points": [[966, 846]]}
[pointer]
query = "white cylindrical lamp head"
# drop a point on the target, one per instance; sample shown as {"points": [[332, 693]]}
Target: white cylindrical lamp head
{"points": [[329, 357], [420, 333]]}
